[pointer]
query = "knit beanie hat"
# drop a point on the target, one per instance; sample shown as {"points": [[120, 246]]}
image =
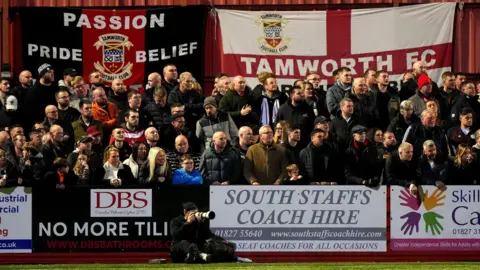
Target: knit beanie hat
{"points": [[423, 80]]}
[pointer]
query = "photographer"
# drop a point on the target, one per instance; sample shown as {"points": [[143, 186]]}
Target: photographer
{"points": [[193, 242]]}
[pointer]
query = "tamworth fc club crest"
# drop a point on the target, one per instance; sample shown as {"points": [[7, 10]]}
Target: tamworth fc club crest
{"points": [[113, 64], [273, 40]]}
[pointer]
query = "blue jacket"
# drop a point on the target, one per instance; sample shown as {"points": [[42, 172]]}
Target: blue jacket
{"points": [[180, 177]]}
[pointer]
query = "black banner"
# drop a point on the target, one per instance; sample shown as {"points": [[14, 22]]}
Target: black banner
{"points": [[95, 220], [124, 44]]}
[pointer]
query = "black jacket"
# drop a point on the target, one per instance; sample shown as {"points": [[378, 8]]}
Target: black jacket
{"points": [[365, 109], [343, 130], [399, 126], [463, 174], [301, 115], [121, 101], [259, 95], [8, 118], [11, 171], [417, 134], [464, 101], [220, 167], [362, 163], [159, 117], [193, 104], [170, 133], [409, 88], [142, 122], [34, 173], [331, 167], [70, 115], [449, 98], [401, 173], [232, 103], [429, 175], [52, 179], [387, 104], [50, 152], [195, 232], [125, 175], [37, 98], [319, 102], [67, 130], [144, 173]]}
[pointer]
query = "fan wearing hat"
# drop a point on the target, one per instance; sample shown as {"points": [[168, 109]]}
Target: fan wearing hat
{"points": [[8, 106], [84, 145], [213, 121], [176, 128], [96, 134], [66, 83], [410, 86], [362, 154], [40, 96], [425, 94]]}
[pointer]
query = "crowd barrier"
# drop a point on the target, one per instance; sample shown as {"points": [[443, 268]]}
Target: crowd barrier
{"points": [[296, 222]]}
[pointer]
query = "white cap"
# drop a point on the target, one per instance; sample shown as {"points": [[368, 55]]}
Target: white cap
{"points": [[12, 103]]}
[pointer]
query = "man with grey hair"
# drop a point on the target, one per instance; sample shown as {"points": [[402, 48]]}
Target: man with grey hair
{"points": [[401, 169], [266, 162], [427, 129], [433, 169], [184, 94], [403, 120], [54, 148], [222, 88]]}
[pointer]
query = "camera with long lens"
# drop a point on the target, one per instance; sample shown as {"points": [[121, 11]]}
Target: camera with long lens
{"points": [[205, 215]]}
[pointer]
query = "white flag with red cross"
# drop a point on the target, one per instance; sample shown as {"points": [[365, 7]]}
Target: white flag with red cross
{"points": [[292, 43]]}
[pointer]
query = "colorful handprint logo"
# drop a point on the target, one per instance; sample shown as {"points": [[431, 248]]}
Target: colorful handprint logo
{"points": [[412, 218]]}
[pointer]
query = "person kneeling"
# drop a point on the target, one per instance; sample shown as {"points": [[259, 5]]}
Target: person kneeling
{"points": [[193, 242]]}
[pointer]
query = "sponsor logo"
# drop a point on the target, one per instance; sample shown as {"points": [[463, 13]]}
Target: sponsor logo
{"points": [[273, 40], [114, 47], [121, 203], [431, 219]]}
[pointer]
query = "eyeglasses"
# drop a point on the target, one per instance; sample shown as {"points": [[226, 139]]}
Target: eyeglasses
{"points": [[52, 112], [188, 163]]}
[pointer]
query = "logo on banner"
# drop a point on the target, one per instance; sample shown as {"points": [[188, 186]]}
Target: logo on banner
{"points": [[113, 66], [430, 218], [273, 40], [121, 203]]}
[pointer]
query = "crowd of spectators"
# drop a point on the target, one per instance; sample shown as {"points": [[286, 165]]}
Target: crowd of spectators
{"points": [[361, 131]]}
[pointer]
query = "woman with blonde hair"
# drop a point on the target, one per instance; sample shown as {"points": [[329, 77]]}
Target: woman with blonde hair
{"points": [[156, 170], [81, 169], [281, 132], [463, 167], [197, 87], [116, 173]]}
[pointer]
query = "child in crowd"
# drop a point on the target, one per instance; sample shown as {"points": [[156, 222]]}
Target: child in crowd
{"points": [[294, 177], [187, 175]]}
